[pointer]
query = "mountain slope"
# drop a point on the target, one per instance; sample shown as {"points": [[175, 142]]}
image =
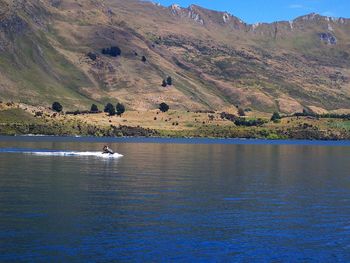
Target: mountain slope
{"points": [[51, 50]]}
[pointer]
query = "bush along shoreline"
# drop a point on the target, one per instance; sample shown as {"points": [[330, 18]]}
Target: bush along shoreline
{"points": [[16, 129], [56, 129]]}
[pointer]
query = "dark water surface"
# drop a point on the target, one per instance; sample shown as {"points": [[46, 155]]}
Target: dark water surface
{"points": [[223, 201]]}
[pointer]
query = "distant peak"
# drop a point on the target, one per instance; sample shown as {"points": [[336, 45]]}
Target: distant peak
{"points": [[307, 17], [318, 17], [194, 11]]}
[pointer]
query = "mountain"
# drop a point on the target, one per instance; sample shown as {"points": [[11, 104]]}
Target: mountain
{"points": [[92, 51]]}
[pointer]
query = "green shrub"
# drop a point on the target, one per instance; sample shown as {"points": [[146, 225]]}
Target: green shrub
{"points": [[56, 106], [164, 107], [108, 107], [164, 84], [120, 109], [112, 111], [276, 117], [113, 51], [94, 108]]}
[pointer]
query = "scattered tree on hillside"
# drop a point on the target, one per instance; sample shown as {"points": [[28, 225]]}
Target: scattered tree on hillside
{"points": [[113, 51], [92, 56], [169, 81], [164, 84], [56, 106], [111, 111], [241, 112], [105, 51], [120, 109], [108, 107], [164, 107], [275, 117], [143, 59], [94, 108]]}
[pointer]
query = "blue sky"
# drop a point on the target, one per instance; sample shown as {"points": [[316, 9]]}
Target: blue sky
{"points": [[252, 11]]}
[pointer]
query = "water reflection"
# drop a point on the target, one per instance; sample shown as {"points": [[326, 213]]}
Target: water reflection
{"points": [[183, 202]]}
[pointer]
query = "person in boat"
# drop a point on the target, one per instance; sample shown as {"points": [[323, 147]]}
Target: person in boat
{"points": [[107, 150]]}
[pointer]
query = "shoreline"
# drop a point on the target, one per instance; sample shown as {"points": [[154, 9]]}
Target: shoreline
{"points": [[173, 124], [205, 141], [219, 133]]}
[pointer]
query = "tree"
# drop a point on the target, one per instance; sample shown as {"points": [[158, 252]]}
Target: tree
{"points": [[94, 108], [92, 56], [115, 51], [143, 59], [275, 117], [241, 112], [112, 51], [169, 81], [120, 109], [111, 111], [108, 107], [164, 84], [164, 107], [56, 106]]}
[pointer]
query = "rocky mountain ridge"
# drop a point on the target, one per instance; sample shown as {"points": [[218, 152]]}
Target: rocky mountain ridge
{"points": [[197, 13]]}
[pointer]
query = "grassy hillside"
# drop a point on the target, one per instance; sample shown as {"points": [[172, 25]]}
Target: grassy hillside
{"points": [[52, 52], [16, 116]]}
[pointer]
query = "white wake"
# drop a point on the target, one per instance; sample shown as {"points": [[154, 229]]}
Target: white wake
{"points": [[74, 154]]}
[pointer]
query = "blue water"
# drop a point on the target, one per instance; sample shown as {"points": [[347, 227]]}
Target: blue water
{"points": [[174, 200]]}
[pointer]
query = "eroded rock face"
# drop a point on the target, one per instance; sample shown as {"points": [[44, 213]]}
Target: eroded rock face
{"points": [[189, 12], [226, 17], [194, 15], [328, 38]]}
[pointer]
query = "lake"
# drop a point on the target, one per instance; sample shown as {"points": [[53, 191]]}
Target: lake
{"points": [[174, 200]]}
